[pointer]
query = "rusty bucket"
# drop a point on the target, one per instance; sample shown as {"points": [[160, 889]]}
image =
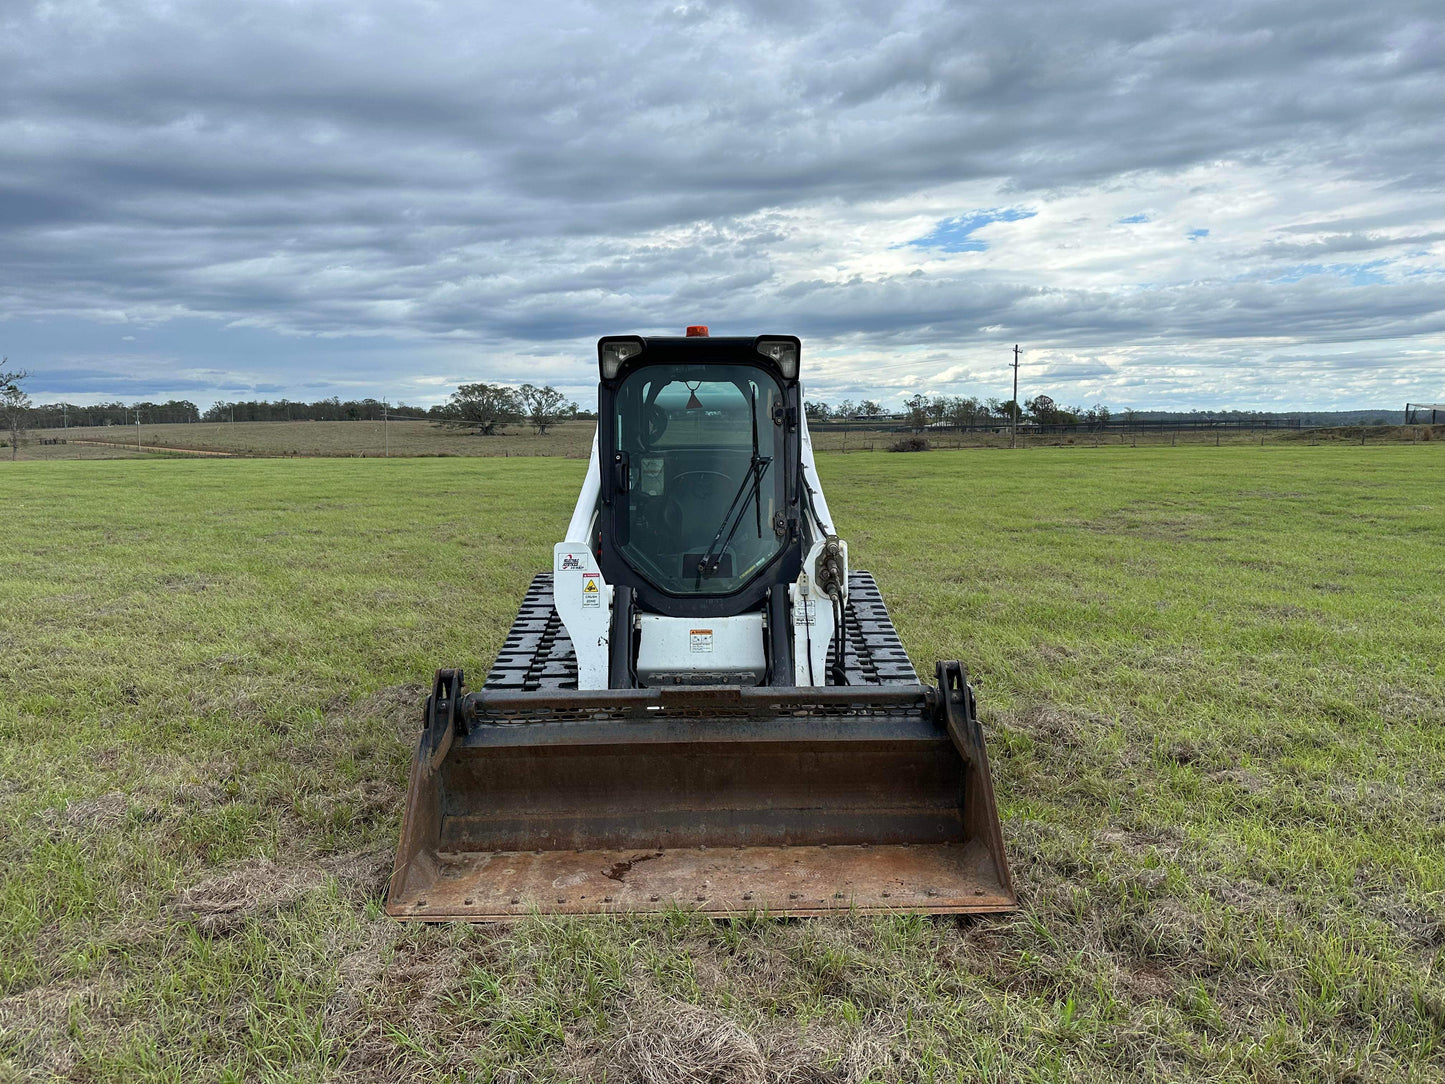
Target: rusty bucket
{"points": [[723, 800]]}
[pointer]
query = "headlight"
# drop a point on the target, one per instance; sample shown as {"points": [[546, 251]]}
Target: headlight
{"points": [[612, 352], [784, 353]]}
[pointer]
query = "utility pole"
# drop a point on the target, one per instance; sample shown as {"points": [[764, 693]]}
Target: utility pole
{"points": [[1013, 440], [385, 433], [137, 428]]}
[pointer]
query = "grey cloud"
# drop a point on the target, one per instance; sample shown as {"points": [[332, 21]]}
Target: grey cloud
{"points": [[416, 170], [1348, 242]]}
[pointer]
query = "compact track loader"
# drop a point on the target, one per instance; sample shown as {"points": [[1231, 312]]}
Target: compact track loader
{"points": [[700, 705]]}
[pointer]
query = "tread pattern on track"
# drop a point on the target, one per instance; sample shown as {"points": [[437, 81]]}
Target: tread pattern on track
{"points": [[538, 653]]}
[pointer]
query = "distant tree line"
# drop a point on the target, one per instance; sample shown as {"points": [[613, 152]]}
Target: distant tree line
{"points": [[55, 415], [486, 408], [322, 410], [921, 411]]}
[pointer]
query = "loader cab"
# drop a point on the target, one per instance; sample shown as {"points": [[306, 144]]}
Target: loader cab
{"points": [[699, 448]]}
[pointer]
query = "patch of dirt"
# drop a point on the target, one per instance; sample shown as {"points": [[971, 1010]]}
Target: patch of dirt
{"points": [[221, 905]]}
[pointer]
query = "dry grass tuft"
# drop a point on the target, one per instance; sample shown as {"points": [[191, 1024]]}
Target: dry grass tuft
{"points": [[34, 1025], [103, 812], [878, 1051], [364, 873], [221, 905], [398, 705], [672, 1042], [1058, 728]]}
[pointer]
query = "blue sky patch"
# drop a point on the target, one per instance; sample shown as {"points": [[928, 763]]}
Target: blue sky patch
{"points": [[1133, 220], [1195, 235], [956, 234], [1356, 274]]}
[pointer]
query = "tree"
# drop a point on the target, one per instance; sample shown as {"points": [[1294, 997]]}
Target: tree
{"points": [[483, 407], [1043, 409], [917, 408], [846, 409], [544, 406], [818, 412], [870, 406], [962, 411], [14, 404]]}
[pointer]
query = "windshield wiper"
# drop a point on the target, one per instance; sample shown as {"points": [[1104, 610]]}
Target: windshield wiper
{"points": [[710, 561]]}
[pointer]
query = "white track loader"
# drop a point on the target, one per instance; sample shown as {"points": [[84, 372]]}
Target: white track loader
{"points": [[700, 705]]}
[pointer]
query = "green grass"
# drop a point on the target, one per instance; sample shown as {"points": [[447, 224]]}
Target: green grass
{"points": [[1211, 683], [361, 439], [574, 439]]}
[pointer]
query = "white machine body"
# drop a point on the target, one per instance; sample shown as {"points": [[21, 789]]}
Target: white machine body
{"points": [[701, 651]]}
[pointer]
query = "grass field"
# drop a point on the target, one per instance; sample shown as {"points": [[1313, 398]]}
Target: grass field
{"points": [[1211, 681], [398, 438], [574, 439]]}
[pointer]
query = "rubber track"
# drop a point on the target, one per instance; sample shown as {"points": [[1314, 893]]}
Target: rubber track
{"points": [[875, 654], [538, 652]]}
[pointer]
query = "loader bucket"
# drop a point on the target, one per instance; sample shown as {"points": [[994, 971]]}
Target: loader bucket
{"points": [[721, 799]]}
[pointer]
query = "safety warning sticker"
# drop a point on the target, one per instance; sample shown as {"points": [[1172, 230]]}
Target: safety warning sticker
{"points": [[803, 615], [699, 640], [590, 592]]}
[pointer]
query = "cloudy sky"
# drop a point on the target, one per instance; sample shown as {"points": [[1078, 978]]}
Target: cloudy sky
{"points": [[1184, 205]]}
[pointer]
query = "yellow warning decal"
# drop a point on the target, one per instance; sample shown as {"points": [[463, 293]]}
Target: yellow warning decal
{"points": [[590, 588]]}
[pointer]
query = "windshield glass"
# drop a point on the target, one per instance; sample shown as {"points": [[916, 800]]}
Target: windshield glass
{"points": [[697, 517]]}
